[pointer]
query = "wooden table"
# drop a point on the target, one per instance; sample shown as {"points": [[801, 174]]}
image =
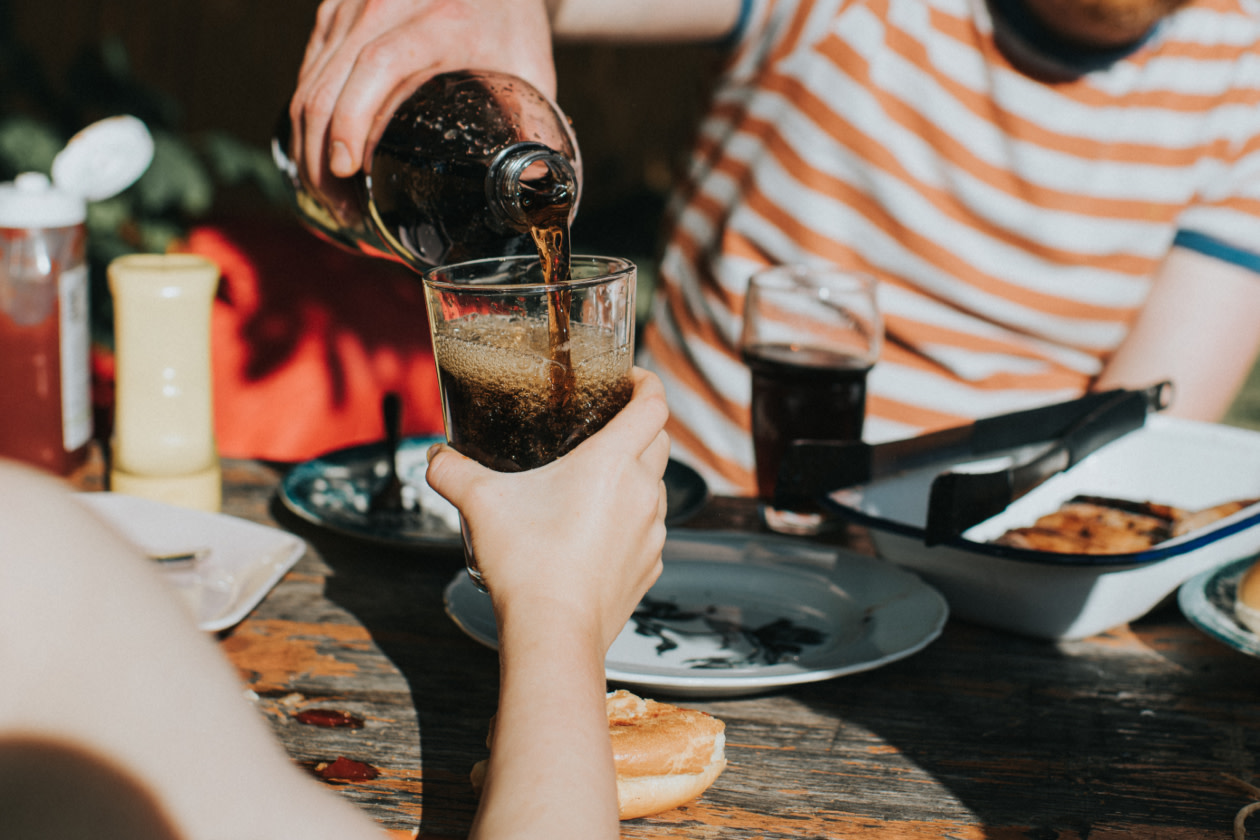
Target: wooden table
{"points": [[1146, 731]]}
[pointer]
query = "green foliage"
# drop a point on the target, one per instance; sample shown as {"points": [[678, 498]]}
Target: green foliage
{"points": [[235, 162], [27, 144], [179, 187], [188, 174]]}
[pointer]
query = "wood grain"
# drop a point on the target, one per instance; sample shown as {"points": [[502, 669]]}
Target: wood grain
{"points": [[1139, 732]]}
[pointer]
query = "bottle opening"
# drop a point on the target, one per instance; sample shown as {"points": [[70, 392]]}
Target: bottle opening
{"points": [[530, 185]]}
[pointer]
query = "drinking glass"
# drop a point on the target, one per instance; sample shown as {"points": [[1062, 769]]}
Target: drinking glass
{"points": [[528, 370], [811, 334]]}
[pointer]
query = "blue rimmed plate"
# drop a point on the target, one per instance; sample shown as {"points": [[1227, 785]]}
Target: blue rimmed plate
{"points": [[333, 491], [1207, 601]]}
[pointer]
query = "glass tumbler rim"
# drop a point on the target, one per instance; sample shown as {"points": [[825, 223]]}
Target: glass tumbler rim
{"points": [[615, 268], [784, 276]]}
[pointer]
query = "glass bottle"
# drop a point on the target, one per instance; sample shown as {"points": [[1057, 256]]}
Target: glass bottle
{"points": [[457, 174]]}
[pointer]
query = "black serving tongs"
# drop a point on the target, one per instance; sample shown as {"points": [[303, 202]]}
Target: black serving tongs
{"points": [[811, 469], [959, 500]]}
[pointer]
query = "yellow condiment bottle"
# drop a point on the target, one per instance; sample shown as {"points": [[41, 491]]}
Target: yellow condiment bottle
{"points": [[164, 444]]}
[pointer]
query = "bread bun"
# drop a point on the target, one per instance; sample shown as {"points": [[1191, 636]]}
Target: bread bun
{"points": [[1247, 599], [664, 755]]}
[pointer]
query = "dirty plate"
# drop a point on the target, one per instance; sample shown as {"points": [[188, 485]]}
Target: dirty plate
{"points": [[736, 614], [333, 491]]}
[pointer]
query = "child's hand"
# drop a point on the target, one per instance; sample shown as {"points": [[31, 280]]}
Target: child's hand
{"points": [[578, 540]]}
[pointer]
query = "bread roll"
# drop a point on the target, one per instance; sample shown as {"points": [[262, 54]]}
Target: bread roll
{"points": [[664, 755], [1247, 599]]}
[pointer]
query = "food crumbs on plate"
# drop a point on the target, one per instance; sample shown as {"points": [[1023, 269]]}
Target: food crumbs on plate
{"points": [[329, 718], [346, 770]]}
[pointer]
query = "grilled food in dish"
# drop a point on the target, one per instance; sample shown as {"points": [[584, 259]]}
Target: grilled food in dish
{"points": [[1102, 525]]}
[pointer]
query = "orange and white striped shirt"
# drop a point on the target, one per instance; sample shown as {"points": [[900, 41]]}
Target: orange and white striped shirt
{"points": [[1014, 223]]}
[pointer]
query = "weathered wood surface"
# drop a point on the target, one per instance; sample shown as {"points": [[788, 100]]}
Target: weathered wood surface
{"points": [[1134, 733]]}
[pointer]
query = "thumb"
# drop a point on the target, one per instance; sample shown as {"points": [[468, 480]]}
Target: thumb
{"points": [[451, 474]]}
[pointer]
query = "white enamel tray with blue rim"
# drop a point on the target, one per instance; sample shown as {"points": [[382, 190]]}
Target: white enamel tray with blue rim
{"points": [[1064, 596], [736, 614], [1207, 601], [333, 491]]}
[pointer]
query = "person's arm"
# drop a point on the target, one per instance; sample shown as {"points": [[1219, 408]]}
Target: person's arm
{"points": [[109, 688], [1200, 328], [104, 676], [646, 20], [363, 58], [566, 551]]}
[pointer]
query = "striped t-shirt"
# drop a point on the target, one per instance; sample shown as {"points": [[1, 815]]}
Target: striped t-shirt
{"points": [[1013, 222]]}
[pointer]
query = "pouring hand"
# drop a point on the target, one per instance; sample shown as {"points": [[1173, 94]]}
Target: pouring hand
{"points": [[364, 57]]}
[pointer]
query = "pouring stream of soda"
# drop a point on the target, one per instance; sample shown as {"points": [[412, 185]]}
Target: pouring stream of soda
{"points": [[547, 204]]}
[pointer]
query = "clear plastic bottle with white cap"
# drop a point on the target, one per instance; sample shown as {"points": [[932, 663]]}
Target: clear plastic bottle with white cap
{"points": [[45, 378]]}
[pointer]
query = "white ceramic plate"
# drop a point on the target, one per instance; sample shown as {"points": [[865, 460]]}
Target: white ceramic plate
{"points": [[238, 563], [1063, 596], [737, 614], [1207, 600]]}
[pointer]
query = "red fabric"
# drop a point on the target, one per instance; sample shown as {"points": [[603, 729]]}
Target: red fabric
{"points": [[306, 340]]}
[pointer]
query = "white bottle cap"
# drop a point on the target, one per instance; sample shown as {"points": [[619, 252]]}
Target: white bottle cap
{"points": [[31, 201], [99, 162], [104, 159]]}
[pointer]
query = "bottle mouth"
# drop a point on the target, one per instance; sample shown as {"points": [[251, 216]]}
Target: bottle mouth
{"points": [[529, 184]]}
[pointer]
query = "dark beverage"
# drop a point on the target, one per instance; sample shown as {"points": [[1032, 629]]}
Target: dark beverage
{"points": [[494, 325], [454, 178], [467, 167], [497, 392], [801, 394], [546, 205], [431, 203]]}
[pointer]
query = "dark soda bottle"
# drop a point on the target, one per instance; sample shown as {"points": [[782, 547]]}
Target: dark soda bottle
{"points": [[460, 172]]}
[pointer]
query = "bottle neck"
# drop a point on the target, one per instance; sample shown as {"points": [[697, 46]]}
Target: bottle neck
{"points": [[530, 185]]}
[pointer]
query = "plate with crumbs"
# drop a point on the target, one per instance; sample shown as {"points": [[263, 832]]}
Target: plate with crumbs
{"points": [[736, 614]]}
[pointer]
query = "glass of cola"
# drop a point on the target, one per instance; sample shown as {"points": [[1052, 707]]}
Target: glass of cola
{"points": [[527, 368], [811, 334]]}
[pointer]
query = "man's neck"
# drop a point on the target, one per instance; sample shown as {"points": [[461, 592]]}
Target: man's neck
{"points": [[1030, 43]]}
